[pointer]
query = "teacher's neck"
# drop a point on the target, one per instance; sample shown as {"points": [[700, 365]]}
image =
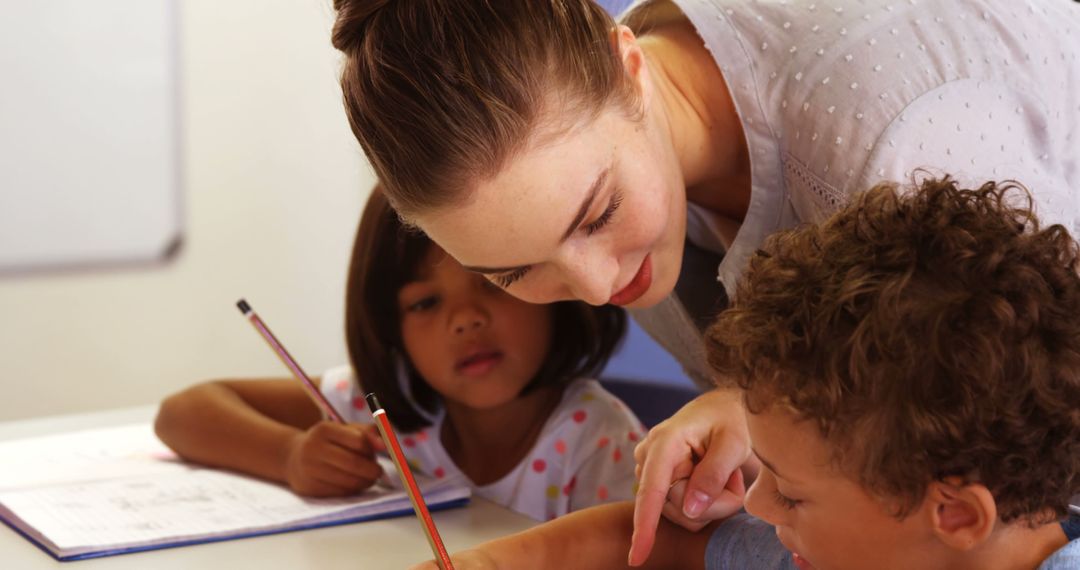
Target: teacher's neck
{"points": [[705, 130]]}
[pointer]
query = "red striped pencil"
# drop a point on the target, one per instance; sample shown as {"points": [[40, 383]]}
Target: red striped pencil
{"points": [[434, 540]]}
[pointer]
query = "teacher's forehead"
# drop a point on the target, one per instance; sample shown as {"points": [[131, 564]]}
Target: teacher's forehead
{"points": [[520, 215], [503, 225]]}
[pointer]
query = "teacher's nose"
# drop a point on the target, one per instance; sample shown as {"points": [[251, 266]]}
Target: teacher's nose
{"points": [[589, 280]]}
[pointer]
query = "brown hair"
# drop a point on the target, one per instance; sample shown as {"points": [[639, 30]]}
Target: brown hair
{"points": [[927, 335], [386, 256], [440, 93]]}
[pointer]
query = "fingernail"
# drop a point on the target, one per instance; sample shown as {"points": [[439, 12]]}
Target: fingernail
{"points": [[696, 503]]}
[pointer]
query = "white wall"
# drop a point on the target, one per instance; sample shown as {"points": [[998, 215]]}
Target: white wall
{"points": [[274, 183]]}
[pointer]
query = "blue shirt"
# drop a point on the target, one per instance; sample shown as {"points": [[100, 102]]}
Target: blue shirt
{"points": [[744, 541]]}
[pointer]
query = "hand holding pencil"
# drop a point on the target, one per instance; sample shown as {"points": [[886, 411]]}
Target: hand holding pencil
{"points": [[331, 458], [334, 431]]}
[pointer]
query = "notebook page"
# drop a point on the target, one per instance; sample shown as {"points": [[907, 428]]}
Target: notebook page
{"points": [[151, 508]]}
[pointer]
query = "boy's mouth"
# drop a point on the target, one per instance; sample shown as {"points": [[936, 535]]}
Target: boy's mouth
{"points": [[479, 363], [800, 562]]}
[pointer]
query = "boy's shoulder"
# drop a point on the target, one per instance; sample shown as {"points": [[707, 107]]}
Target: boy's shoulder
{"points": [[1068, 556], [745, 541]]}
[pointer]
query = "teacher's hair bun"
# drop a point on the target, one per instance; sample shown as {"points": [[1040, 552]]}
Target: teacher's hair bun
{"points": [[353, 19]]}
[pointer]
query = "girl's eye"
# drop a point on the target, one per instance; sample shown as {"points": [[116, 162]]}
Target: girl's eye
{"points": [[507, 279], [784, 501], [422, 305], [604, 218]]}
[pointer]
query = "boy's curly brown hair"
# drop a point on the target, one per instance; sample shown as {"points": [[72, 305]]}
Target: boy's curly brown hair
{"points": [[928, 334]]}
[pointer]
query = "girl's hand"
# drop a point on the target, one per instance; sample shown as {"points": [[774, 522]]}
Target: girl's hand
{"points": [[465, 560], [688, 468], [333, 460]]}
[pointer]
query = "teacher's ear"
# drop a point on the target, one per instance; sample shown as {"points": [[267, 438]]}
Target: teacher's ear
{"points": [[624, 42]]}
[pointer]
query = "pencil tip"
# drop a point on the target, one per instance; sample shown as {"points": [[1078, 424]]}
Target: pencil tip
{"points": [[243, 306]]}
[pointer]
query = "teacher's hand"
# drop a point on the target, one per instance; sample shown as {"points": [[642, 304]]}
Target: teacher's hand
{"points": [[688, 468]]}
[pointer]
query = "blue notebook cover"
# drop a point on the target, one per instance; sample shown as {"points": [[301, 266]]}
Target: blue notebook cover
{"points": [[48, 549]]}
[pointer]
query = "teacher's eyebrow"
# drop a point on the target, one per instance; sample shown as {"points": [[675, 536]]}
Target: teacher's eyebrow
{"points": [[583, 211]]}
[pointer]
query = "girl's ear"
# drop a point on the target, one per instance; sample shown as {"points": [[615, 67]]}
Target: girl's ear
{"points": [[962, 516], [625, 43]]}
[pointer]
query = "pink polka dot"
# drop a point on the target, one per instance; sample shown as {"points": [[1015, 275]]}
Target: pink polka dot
{"points": [[569, 487], [579, 416], [421, 435], [539, 465], [409, 442], [603, 442], [634, 436], [560, 446], [617, 455], [601, 493], [359, 403], [440, 472], [342, 385]]}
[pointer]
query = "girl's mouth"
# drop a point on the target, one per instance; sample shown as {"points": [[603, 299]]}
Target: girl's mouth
{"points": [[479, 363]]}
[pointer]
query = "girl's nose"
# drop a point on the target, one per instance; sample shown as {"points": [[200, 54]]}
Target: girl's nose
{"points": [[468, 318]]}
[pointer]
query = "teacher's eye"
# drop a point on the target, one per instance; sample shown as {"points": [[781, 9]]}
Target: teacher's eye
{"points": [[599, 223], [785, 501], [422, 305], [507, 279]]}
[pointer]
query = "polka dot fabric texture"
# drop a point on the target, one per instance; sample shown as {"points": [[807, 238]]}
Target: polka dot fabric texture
{"points": [[584, 455], [836, 95]]}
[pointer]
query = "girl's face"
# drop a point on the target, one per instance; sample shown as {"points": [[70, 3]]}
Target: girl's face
{"points": [[474, 344], [597, 213]]}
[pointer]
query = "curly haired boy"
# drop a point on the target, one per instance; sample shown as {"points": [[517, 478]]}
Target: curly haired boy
{"points": [[911, 369]]}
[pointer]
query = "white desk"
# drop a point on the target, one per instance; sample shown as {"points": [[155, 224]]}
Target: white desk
{"points": [[391, 543]]}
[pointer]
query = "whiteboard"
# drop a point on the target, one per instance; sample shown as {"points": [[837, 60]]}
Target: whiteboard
{"points": [[89, 139]]}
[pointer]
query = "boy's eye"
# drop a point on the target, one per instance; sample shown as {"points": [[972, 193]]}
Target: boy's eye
{"points": [[507, 279], [604, 218], [785, 501], [422, 305]]}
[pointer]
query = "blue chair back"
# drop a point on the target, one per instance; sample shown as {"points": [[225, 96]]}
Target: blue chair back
{"points": [[652, 401]]}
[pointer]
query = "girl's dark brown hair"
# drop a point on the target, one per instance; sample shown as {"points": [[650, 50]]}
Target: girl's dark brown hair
{"points": [[928, 334], [440, 93], [385, 256]]}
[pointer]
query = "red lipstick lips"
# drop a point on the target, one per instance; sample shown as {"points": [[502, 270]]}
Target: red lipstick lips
{"points": [[637, 286]]}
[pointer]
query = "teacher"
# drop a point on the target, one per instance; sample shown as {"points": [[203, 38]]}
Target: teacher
{"points": [[569, 157]]}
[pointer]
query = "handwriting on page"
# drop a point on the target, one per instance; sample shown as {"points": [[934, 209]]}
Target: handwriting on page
{"points": [[188, 502]]}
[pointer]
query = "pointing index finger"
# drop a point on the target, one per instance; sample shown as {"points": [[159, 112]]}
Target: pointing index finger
{"points": [[660, 468]]}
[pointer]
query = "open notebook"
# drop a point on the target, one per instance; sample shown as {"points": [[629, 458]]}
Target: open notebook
{"points": [[116, 490]]}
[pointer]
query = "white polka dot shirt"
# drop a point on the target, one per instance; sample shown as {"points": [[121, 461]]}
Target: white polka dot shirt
{"points": [[584, 455], [837, 95]]}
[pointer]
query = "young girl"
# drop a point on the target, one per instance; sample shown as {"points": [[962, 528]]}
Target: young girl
{"points": [[479, 384]]}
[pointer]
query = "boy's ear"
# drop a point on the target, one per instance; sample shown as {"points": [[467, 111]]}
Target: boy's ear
{"points": [[962, 515]]}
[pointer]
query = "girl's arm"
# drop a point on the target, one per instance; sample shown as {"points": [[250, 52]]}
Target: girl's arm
{"points": [[593, 538], [270, 429]]}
